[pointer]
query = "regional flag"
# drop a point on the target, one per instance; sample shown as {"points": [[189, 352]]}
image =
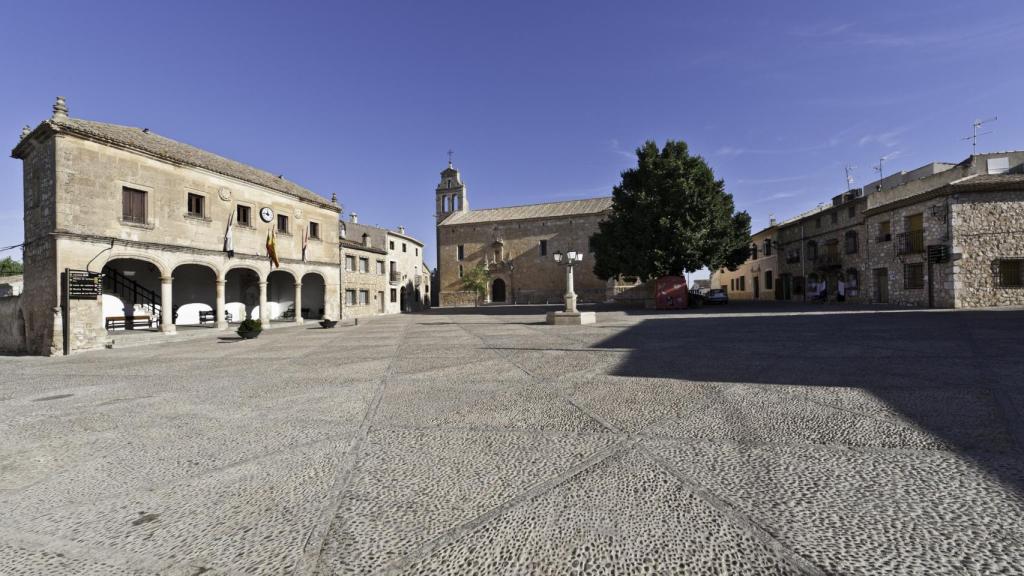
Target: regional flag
{"points": [[272, 248], [229, 241]]}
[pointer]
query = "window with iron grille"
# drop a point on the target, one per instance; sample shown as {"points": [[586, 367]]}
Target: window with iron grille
{"points": [[394, 295], [133, 205], [1009, 272], [913, 276]]}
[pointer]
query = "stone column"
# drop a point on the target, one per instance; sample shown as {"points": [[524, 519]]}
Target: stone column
{"points": [[570, 293], [222, 323], [264, 310], [298, 302], [167, 305]]}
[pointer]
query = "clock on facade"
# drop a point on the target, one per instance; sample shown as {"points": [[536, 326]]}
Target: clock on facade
{"points": [[266, 214]]}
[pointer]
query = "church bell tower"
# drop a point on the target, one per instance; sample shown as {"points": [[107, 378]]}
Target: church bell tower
{"points": [[450, 195]]}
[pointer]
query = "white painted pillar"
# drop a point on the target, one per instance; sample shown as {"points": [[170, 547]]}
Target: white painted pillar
{"points": [[264, 310], [298, 302], [222, 323], [167, 305], [570, 292]]}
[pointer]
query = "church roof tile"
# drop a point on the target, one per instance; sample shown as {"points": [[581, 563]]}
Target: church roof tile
{"points": [[530, 211]]}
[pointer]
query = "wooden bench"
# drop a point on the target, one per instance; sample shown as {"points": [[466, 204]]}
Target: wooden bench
{"points": [[128, 322], [211, 316]]}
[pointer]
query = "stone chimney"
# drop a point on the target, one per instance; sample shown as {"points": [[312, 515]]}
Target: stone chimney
{"points": [[367, 241], [60, 109], [353, 218], [334, 198], [401, 229]]}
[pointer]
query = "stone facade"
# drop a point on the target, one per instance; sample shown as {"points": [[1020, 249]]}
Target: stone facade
{"points": [[78, 178], [398, 262], [826, 245], [364, 279], [970, 211], [516, 245], [757, 278]]}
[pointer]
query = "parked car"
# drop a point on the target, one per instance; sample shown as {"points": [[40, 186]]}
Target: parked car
{"points": [[716, 296]]}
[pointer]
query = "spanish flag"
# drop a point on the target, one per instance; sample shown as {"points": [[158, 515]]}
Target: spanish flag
{"points": [[272, 248]]}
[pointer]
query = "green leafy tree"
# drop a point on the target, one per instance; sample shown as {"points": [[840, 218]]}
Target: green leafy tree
{"points": [[10, 267], [669, 216], [476, 280]]}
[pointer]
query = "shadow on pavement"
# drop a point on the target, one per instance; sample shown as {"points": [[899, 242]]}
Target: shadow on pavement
{"points": [[959, 376]]}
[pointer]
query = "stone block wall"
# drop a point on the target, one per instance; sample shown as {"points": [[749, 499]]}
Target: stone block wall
{"points": [[883, 254], [375, 283], [12, 326], [986, 226], [535, 276]]}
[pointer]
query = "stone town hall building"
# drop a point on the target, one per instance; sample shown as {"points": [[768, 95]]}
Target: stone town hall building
{"points": [[516, 244]]}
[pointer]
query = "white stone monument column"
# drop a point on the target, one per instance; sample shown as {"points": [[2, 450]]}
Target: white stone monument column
{"points": [[298, 302], [264, 310], [167, 305], [570, 292], [222, 323]]}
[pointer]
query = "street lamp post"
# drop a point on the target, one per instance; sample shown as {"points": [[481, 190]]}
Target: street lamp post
{"points": [[571, 315]]}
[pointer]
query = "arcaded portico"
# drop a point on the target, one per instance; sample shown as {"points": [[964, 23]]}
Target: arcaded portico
{"points": [[182, 237]]}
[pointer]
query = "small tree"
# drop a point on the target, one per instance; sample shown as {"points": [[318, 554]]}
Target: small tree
{"points": [[11, 267], [476, 280], [669, 216]]}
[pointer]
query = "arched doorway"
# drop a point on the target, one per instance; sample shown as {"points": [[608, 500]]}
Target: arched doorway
{"points": [[242, 294], [402, 300], [131, 295], [313, 296], [194, 295], [498, 290], [281, 296]]}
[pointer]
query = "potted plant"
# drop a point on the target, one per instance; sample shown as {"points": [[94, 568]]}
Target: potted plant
{"points": [[249, 329], [328, 323]]}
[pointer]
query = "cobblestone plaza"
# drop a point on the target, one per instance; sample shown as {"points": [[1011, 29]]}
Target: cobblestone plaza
{"points": [[727, 441]]}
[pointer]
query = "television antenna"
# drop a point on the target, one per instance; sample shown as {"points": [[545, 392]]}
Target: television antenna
{"points": [[881, 169], [974, 133], [849, 177]]}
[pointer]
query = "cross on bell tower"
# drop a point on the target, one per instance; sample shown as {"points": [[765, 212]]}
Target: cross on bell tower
{"points": [[450, 194]]}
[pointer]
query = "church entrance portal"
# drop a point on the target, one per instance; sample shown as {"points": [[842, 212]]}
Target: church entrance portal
{"points": [[498, 290]]}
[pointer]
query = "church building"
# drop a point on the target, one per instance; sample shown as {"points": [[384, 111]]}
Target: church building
{"points": [[517, 245]]}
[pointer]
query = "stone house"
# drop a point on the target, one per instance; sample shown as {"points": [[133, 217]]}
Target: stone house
{"points": [[953, 238], [516, 244], [757, 278], [821, 248], [390, 268], [154, 216]]}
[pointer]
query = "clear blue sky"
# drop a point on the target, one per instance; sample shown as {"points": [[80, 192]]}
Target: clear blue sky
{"points": [[541, 101]]}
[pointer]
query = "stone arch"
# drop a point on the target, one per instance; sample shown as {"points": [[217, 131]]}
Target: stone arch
{"points": [[162, 266], [281, 295], [314, 295], [132, 296], [242, 292], [498, 290], [194, 293]]}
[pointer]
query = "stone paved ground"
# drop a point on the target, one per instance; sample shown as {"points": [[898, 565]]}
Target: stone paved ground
{"points": [[728, 442]]}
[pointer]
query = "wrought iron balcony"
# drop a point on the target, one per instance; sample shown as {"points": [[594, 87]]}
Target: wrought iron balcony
{"points": [[911, 242], [396, 277], [827, 260]]}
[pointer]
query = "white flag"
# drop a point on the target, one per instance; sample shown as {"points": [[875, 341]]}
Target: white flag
{"points": [[229, 243]]}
